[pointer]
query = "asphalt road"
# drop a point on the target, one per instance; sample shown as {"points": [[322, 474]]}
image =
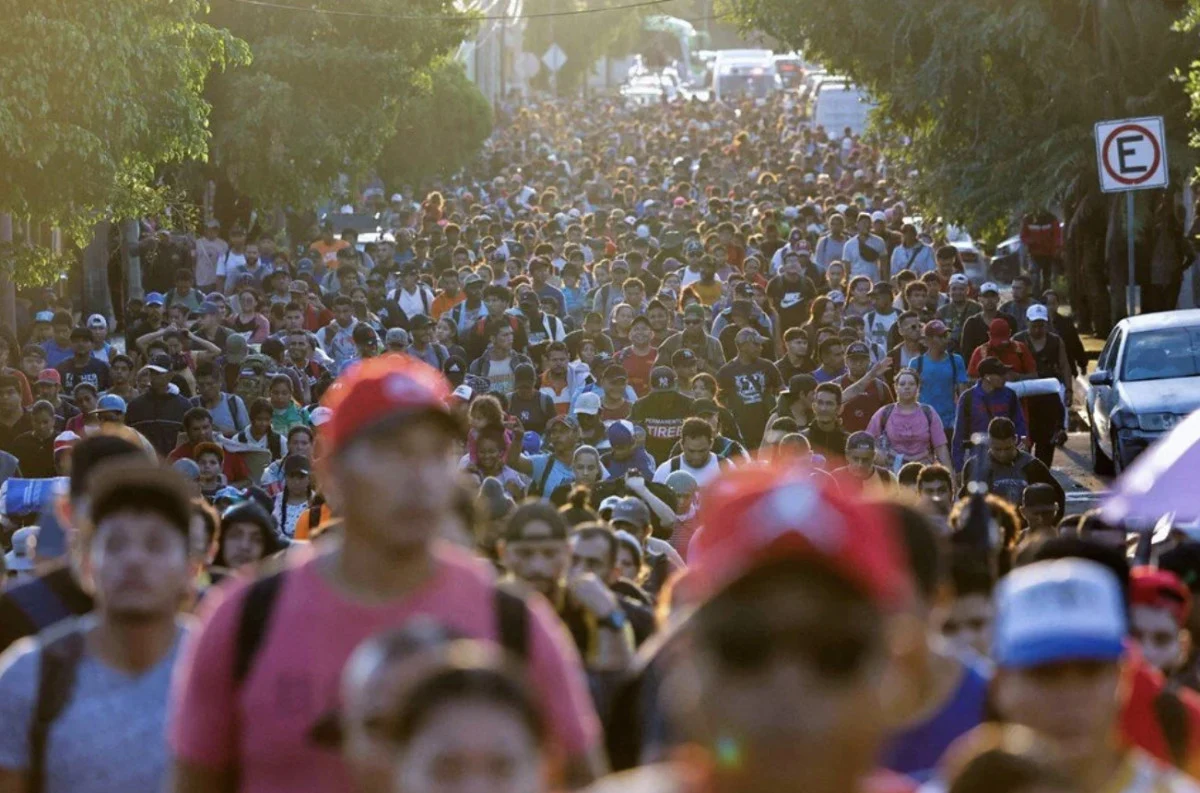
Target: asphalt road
{"points": [[1073, 465], [1073, 468]]}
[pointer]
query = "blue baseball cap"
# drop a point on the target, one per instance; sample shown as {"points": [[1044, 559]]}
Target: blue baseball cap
{"points": [[110, 403], [229, 492], [532, 443], [155, 299], [1059, 611]]}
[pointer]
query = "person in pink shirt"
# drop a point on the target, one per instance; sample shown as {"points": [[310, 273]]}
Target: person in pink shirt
{"points": [[908, 431], [263, 670]]}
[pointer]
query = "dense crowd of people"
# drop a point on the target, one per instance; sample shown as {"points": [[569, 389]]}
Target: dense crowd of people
{"points": [[664, 441]]}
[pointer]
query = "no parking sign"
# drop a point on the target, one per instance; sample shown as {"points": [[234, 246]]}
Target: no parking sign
{"points": [[1132, 154]]}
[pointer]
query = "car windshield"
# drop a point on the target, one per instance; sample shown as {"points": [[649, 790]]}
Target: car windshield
{"points": [[1162, 354]]}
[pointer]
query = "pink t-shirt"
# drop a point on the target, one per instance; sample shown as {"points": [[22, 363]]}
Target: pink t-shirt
{"points": [[912, 434], [263, 728]]}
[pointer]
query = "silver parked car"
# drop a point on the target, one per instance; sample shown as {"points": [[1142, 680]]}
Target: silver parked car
{"points": [[1147, 380]]}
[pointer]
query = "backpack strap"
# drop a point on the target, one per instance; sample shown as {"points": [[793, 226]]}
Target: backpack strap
{"points": [[512, 618], [920, 363], [1172, 718], [887, 414], [545, 477], [676, 463], [57, 669], [253, 623]]}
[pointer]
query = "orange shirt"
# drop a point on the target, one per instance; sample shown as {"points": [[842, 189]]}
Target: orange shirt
{"points": [[305, 531], [329, 251], [441, 304]]}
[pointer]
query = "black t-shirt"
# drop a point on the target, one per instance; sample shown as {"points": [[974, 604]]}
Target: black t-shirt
{"points": [[533, 412], [652, 282], [95, 372], [749, 391], [33, 606], [788, 370], [831, 444], [792, 300], [575, 338], [662, 413], [728, 337], [35, 455], [9, 434], [218, 337]]}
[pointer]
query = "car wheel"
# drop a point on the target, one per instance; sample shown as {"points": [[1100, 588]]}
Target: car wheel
{"points": [[1118, 463], [1100, 464]]}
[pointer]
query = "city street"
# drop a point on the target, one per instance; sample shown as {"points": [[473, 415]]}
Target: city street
{"points": [[1073, 468]]}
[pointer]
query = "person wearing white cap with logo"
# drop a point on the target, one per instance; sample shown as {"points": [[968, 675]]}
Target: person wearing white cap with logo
{"points": [[98, 325], [975, 329], [1046, 417], [1059, 648], [958, 309]]}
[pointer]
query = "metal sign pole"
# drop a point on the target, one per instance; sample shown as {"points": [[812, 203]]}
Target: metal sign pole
{"points": [[1133, 293]]}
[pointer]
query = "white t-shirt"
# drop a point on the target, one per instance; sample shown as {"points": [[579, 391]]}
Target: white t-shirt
{"points": [[701, 475]]}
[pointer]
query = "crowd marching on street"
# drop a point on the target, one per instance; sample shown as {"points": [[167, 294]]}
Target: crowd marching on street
{"points": [[664, 449]]}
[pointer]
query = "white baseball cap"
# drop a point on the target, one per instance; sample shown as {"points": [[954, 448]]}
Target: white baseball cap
{"points": [[588, 404], [959, 278], [989, 287], [1037, 312], [97, 321], [320, 415], [1057, 611], [878, 215]]}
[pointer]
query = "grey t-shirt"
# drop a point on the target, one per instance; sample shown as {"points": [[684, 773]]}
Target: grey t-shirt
{"points": [[110, 737]]}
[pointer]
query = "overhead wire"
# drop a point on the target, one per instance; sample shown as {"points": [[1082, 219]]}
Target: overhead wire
{"points": [[450, 17]]}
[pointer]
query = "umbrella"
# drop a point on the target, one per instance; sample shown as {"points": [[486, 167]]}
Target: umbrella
{"points": [[1161, 480]]}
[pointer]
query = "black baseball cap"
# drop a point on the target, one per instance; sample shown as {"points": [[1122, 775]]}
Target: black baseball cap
{"points": [[682, 356], [993, 365], [662, 378], [857, 349]]}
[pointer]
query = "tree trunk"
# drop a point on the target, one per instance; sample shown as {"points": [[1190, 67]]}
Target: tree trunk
{"points": [[1168, 253], [130, 232], [8, 291], [97, 297], [1088, 274]]}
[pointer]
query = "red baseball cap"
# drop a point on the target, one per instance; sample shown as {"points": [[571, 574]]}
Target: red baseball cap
{"points": [[50, 376], [1150, 586], [755, 515], [375, 390]]}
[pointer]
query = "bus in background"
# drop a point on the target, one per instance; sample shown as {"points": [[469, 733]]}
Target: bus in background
{"points": [[790, 68]]}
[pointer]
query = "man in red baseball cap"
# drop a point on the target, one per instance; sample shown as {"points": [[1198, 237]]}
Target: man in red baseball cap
{"points": [[263, 671], [1159, 604], [780, 685]]}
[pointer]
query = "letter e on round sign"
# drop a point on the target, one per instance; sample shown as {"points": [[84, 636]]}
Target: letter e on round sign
{"points": [[1131, 154]]}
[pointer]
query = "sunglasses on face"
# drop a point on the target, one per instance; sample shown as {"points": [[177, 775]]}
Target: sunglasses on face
{"points": [[749, 646]]}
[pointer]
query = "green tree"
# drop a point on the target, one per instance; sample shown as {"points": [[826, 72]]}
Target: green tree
{"points": [[582, 37], [98, 94], [440, 129], [325, 93], [995, 103]]}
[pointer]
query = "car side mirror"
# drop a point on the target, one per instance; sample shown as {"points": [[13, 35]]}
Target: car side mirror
{"points": [[1100, 378]]}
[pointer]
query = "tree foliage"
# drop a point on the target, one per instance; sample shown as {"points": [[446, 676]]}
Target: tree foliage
{"points": [[97, 95], [440, 129], [993, 102], [583, 37], [999, 97], [325, 93]]}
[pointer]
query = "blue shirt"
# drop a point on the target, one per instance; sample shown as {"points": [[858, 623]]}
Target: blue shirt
{"points": [[641, 461], [938, 379], [560, 474], [55, 354], [822, 376], [916, 750]]}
